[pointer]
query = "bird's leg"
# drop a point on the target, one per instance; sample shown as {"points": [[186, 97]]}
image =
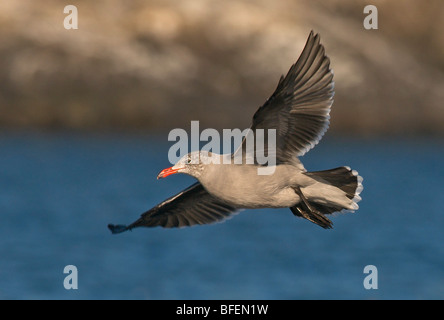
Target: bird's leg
{"points": [[304, 200], [308, 212]]}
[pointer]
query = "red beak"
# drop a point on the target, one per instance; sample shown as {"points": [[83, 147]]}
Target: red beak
{"points": [[166, 172]]}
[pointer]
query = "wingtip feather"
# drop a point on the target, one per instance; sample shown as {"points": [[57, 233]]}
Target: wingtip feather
{"points": [[119, 228]]}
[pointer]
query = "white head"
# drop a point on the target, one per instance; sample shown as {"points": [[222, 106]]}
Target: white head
{"points": [[192, 164]]}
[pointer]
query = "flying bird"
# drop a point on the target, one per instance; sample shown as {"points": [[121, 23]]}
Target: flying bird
{"points": [[299, 111]]}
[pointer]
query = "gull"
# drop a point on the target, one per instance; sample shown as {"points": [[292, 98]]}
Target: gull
{"points": [[299, 112]]}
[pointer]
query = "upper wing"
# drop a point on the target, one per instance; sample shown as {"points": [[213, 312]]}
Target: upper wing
{"points": [[193, 205], [300, 106]]}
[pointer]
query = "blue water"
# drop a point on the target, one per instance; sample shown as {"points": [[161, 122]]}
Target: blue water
{"points": [[58, 192]]}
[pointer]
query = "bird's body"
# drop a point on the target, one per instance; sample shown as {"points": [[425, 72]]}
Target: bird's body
{"points": [[229, 181], [298, 111], [258, 191]]}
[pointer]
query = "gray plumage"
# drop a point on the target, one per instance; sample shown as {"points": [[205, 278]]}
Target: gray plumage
{"points": [[299, 111]]}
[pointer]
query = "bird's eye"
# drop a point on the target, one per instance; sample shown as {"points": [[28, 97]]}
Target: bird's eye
{"points": [[189, 161]]}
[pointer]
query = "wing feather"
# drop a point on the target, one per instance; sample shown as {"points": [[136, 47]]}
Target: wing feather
{"points": [[299, 109], [192, 206]]}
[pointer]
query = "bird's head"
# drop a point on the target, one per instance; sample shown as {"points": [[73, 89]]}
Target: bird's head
{"points": [[192, 164]]}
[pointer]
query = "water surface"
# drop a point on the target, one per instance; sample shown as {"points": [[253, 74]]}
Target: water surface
{"points": [[58, 192]]}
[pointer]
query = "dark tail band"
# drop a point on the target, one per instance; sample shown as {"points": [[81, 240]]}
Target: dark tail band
{"points": [[344, 178]]}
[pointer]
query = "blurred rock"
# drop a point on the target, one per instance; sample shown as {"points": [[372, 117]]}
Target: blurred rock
{"points": [[156, 65]]}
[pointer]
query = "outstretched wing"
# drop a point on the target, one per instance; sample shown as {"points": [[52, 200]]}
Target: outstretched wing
{"points": [[193, 205], [300, 106]]}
